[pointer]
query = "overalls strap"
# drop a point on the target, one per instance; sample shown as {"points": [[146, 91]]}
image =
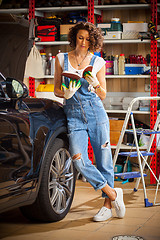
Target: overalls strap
{"points": [[92, 60], [65, 61]]}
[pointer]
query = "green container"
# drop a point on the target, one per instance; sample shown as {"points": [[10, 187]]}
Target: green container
{"points": [[118, 168], [115, 27]]}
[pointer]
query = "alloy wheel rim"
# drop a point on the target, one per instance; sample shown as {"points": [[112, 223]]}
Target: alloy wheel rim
{"points": [[61, 181]]}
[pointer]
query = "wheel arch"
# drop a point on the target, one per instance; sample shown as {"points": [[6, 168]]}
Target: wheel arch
{"points": [[61, 133]]}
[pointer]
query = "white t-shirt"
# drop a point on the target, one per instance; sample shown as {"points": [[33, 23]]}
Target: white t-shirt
{"points": [[98, 64]]}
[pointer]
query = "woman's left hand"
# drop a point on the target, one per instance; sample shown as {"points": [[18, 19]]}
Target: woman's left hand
{"points": [[73, 87], [91, 79]]}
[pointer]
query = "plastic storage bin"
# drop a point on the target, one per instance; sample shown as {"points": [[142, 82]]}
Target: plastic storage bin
{"points": [[133, 69], [113, 35]]}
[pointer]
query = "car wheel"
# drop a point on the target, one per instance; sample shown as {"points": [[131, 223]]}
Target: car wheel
{"points": [[57, 185]]}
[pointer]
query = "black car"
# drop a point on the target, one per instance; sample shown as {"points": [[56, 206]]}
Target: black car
{"points": [[36, 171]]}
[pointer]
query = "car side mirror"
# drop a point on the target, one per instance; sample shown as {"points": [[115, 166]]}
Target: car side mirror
{"points": [[15, 89]]}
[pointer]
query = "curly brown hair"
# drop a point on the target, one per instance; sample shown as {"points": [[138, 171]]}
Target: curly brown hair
{"points": [[95, 35]]}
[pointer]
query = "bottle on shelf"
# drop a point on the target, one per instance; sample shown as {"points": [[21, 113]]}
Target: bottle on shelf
{"points": [[52, 65], [44, 63], [48, 67], [121, 64], [115, 65]]}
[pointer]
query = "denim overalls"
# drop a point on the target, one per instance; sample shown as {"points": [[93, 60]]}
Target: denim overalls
{"points": [[86, 117]]}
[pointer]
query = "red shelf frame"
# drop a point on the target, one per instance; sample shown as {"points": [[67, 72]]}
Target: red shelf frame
{"points": [[31, 16], [153, 91]]}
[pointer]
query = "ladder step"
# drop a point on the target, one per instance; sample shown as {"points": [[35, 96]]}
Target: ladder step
{"points": [[135, 154], [142, 131], [127, 175]]}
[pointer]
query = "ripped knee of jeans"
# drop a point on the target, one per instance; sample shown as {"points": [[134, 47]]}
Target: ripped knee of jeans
{"points": [[78, 161], [105, 145], [77, 156]]}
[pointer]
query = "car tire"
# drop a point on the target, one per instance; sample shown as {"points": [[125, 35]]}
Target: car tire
{"points": [[57, 185]]}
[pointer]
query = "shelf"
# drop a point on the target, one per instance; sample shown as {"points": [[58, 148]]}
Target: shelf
{"points": [[99, 7], [48, 76], [121, 41], [125, 111], [112, 41], [77, 8], [123, 146], [113, 76], [122, 6], [52, 43], [61, 9], [128, 76], [16, 10]]}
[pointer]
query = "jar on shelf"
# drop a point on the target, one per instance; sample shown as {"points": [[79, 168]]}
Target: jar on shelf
{"points": [[109, 67]]}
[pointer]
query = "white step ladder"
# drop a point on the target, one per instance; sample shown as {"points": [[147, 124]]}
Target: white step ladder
{"points": [[141, 155]]}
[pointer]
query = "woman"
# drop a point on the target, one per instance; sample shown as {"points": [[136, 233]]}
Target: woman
{"points": [[86, 115]]}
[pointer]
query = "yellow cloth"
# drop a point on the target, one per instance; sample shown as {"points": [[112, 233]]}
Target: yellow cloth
{"points": [[45, 88]]}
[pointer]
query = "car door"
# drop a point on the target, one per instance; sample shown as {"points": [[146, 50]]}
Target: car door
{"points": [[15, 154]]}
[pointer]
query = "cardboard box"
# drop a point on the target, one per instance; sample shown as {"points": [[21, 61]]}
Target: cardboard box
{"points": [[64, 29], [115, 130]]}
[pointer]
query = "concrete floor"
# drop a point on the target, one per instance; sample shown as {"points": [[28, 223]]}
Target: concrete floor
{"points": [[78, 224]]}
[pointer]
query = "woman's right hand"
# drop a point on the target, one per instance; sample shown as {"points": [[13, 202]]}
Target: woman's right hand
{"points": [[70, 91], [91, 79]]}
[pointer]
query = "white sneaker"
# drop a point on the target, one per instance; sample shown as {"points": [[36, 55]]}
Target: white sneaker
{"points": [[103, 214], [119, 204]]}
